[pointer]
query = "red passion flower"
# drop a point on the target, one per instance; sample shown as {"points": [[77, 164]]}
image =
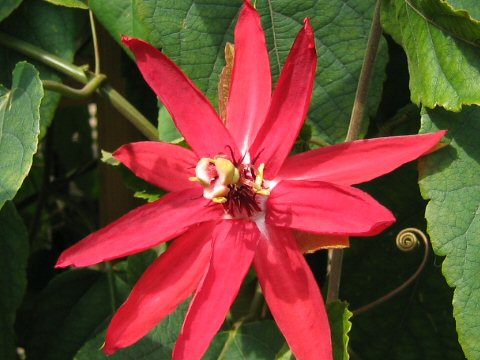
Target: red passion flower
{"points": [[237, 198]]}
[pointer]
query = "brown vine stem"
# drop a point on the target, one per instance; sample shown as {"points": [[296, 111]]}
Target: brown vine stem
{"points": [[406, 241], [336, 256]]}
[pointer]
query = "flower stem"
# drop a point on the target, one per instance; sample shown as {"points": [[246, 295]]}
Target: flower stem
{"points": [[336, 256], [81, 75]]}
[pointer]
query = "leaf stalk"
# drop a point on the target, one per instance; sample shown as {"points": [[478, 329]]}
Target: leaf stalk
{"points": [[81, 75], [68, 91]]}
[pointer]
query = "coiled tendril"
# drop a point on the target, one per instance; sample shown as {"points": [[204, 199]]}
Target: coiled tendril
{"points": [[406, 240]]}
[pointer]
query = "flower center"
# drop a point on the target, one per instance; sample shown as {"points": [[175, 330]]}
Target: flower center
{"points": [[235, 186]]}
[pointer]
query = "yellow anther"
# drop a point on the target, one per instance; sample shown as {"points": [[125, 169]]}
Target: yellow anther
{"points": [[219, 200], [259, 177], [194, 179], [263, 192], [227, 172]]}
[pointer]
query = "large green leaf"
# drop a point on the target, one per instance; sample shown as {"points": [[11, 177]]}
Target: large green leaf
{"points": [[340, 325], [447, 18], [470, 6], [167, 131], [13, 275], [138, 263], [158, 344], [53, 28], [257, 340], [80, 4], [19, 128], [118, 18], [69, 310], [7, 6], [193, 33], [442, 50], [450, 178]]}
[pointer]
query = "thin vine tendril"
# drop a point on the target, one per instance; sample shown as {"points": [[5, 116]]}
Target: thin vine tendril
{"points": [[406, 240]]}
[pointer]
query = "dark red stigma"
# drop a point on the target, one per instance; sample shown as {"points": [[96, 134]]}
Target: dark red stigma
{"points": [[241, 199]]}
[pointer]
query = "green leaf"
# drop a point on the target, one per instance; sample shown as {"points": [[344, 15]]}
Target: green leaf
{"points": [[450, 178], [138, 263], [19, 128], [257, 340], [285, 354], [433, 33], [158, 344], [108, 158], [55, 29], [250, 294], [13, 275], [470, 6], [167, 131], [7, 7], [445, 17], [69, 310], [193, 33], [340, 325], [118, 18], [80, 4]]}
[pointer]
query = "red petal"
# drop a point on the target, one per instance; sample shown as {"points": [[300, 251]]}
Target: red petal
{"points": [[234, 244], [358, 161], [289, 105], [325, 208], [193, 114], [163, 286], [164, 165], [251, 82], [142, 228], [293, 296]]}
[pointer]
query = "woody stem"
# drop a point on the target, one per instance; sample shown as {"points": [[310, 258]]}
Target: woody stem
{"points": [[336, 256]]}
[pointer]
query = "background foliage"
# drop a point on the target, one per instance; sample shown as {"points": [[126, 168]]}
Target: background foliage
{"points": [[427, 75]]}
